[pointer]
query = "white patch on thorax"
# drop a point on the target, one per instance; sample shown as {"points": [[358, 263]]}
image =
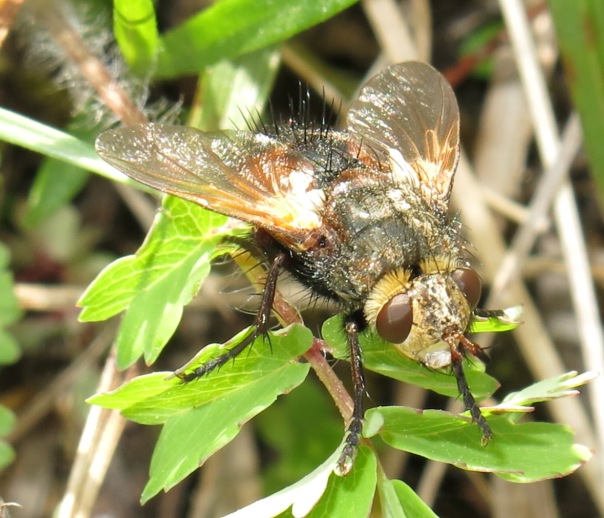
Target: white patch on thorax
{"points": [[300, 205]]}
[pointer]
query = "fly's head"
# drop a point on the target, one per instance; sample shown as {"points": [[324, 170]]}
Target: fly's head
{"points": [[424, 312]]}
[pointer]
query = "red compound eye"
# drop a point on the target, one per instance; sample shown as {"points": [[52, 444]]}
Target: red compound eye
{"points": [[469, 283], [394, 320]]}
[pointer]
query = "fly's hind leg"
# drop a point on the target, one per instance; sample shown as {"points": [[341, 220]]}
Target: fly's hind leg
{"points": [[260, 327]]}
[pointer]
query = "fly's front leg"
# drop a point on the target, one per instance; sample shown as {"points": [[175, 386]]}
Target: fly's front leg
{"points": [[346, 460], [468, 398], [261, 325]]}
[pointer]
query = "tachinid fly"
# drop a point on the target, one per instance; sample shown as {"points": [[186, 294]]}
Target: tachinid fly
{"points": [[358, 216]]}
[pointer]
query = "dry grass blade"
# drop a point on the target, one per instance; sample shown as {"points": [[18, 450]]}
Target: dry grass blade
{"points": [[567, 219], [98, 442]]}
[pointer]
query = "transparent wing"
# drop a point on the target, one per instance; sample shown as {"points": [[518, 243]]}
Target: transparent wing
{"points": [[244, 175], [409, 113]]}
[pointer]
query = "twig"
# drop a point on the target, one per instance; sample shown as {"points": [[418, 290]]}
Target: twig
{"points": [[91, 68]]}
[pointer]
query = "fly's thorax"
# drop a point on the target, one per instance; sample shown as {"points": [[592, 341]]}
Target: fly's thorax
{"points": [[422, 314], [376, 225]]}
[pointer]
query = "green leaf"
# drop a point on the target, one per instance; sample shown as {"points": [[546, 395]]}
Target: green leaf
{"points": [[155, 398], [9, 305], [477, 43], [383, 358], [30, 134], [398, 500], [10, 351], [10, 311], [302, 429], [390, 504], [353, 494], [61, 235], [57, 182], [300, 497], [518, 452], [135, 27], [203, 415], [322, 493], [546, 390], [7, 454], [135, 399], [580, 31], [154, 284], [234, 90], [7, 423], [233, 27]]}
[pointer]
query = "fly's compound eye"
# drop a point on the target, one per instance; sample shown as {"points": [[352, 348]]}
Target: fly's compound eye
{"points": [[469, 283], [394, 320]]}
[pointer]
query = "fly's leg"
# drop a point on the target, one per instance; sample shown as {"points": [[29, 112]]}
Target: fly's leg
{"points": [[462, 385], [351, 444], [260, 327], [486, 313]]}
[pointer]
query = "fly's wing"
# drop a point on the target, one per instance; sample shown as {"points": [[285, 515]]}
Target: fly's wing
{"points": [[248, 176], [408, 115]]}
